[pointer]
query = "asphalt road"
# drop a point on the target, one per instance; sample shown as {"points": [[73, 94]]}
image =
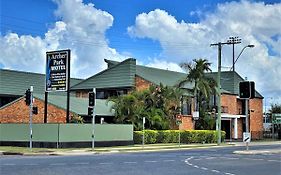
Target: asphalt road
{"points": [[211, 161]]}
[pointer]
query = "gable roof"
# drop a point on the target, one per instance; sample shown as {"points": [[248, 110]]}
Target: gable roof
{"points": [[230, 82], [14, 82], [77, 105], [119, 75], [229, 79]]}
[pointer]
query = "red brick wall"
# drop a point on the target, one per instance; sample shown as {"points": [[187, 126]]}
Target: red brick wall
{"points": [[187, 123], [256, 117], [141, 83], [230, 103], [18, 112], [234, 106], [240, 128]]}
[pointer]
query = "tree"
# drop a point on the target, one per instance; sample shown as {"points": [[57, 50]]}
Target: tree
{"points": [[159, 104], [275, 108], [203, 86]]}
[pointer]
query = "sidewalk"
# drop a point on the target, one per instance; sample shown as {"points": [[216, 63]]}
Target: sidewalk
{"points": [[107, 150], [134, 148], [251, 151]]}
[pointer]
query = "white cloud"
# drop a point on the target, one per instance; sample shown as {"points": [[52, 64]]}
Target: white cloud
{"points": [[81, 28], [255, 22], [162, 64]]}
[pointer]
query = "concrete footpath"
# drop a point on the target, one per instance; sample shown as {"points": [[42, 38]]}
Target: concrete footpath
{"points": [[146, 148], [252, 151]]}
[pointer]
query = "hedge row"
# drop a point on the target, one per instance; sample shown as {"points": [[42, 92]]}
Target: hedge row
{"points": [[172, 136]]}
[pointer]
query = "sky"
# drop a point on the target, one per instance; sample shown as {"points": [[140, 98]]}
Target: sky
{"points": [[158, 33]]}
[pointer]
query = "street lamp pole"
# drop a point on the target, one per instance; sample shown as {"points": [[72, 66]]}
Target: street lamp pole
{"points": [[234, 61], [233, 40]]}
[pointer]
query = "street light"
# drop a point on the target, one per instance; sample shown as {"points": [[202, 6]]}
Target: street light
{"points": [[250, 46]]}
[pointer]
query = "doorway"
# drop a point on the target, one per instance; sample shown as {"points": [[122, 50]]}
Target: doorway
{"points": [[225, 126]]}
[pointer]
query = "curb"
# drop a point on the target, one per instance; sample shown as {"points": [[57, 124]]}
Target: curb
{"points": [[254, 152]]}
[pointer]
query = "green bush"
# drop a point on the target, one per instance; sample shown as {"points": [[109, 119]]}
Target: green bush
{"points": [[172, 136], [150, 136]]}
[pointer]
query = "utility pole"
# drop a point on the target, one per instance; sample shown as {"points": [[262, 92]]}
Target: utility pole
{"points": [[233, 40], [218, 121]]}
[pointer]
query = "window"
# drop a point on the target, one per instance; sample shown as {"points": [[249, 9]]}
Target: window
{"points": [[186, 107], [106, 93]]}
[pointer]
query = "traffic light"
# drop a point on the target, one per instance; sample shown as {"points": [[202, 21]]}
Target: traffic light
{"points": [[27, 97], [92, 99], [247, 89], [90, 110], [35, 110]]}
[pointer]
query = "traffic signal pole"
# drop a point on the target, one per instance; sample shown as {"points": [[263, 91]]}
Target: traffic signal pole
{"points": [[30, 116], [247, 120], [92, 104]]}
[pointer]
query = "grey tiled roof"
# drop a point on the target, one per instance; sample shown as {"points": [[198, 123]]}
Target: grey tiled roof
{"points": [[16, 82]]}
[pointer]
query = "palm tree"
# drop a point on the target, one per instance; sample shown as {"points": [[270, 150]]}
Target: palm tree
{"points": [[203, 86]]}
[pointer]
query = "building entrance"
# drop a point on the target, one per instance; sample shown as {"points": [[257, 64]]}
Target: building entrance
{"points": [[225, 126]]}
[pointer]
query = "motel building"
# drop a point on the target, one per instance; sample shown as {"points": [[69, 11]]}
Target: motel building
{"points": [[120, 78]]}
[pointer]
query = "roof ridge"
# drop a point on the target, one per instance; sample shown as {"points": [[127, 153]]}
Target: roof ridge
{"points": [[107, 60]]}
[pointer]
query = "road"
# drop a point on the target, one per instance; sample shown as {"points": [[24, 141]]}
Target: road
{"points": [[211, 161]]}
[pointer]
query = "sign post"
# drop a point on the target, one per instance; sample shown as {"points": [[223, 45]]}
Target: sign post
{"points": [[179, 122], [58, 75], [143, 122], [247, 139]]}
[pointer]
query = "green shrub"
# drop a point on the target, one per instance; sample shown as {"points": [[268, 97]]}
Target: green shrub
{"points": [[172, 136], [150, 136]]}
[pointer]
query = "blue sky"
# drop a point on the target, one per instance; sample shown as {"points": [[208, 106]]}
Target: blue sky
{"points": [[157, 33]]}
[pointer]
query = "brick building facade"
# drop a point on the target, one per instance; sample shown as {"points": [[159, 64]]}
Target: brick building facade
{"points": [[18, 112], [122, 77]]}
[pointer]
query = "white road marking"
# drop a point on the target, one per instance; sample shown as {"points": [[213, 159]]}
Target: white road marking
{"points": [[273, 160], [150, 161], [31, 164], [203, 168], [216, 171], [257, 159], [169, 160], [195, 166], [82, 163], [9, 164], [129, 162], [229, 174], [57, 164], [105, 163]]}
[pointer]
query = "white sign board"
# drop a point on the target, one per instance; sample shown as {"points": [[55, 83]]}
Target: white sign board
{"points": [[246, 137]]}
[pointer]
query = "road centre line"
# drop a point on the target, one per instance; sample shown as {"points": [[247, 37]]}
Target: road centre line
{"points": [[216, 171], [9, 164], [57, 164], [229, 174], [82, 163], [150, 161], [105, 163], [168, 160], [274, 160], [129, 162], [203, 168]]}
